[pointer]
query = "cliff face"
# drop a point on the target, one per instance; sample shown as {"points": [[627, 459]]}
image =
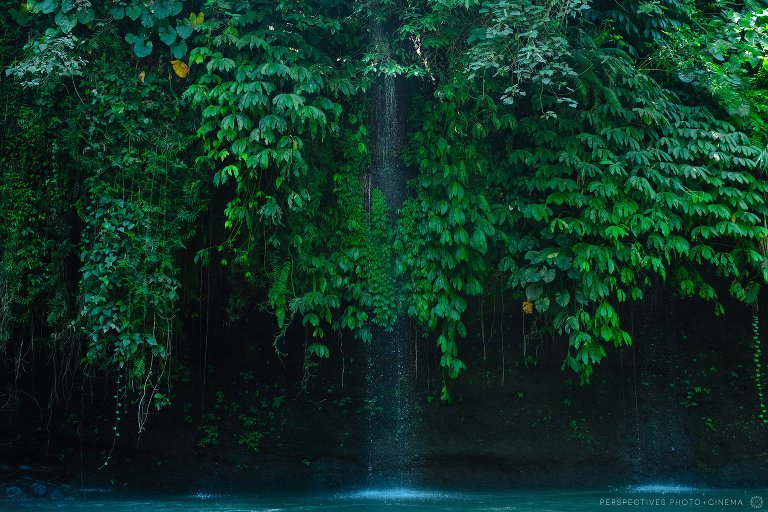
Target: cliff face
{"points": [[680, 405]]}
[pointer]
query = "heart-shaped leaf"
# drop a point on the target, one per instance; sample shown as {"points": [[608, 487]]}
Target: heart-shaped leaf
{"points": [[196, 19], [21, 17], [161, 11], [533, 291], [184, 28], [66, 22], [142, 48], [173, 6], [85, 16], [179, 49], [133, 12], [167, 34], [46, 6], [147, 19]]}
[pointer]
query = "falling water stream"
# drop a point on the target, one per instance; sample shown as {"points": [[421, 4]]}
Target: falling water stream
{"points": [[390, 368]]}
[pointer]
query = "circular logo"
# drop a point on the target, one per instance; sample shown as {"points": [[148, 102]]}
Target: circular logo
{"points": [[756, 502]]}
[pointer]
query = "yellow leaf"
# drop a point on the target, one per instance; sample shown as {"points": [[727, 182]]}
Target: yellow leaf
{"points": [[141, 76], [527, 307], [180, 68], [196, 19]]}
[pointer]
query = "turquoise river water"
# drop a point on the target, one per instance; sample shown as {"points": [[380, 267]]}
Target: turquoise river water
{"points": [[664, 497]]}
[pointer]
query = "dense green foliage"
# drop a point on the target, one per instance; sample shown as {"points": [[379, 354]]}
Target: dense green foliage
{"points": [[550, 162], [589, 183]]}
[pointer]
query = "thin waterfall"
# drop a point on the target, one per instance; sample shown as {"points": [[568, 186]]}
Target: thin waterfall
{"points": [[390, 373], [388, 171]]}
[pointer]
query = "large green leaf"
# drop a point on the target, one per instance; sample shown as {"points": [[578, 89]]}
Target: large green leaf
{"points": [[66, 22], [46, 6], [117, 13], [142, 48], [184, 28], [133, 12], [85, 15], [167, 34], [179, 49]]}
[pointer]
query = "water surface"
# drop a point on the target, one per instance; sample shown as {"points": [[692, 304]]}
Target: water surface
{"points": [[644, 497]]}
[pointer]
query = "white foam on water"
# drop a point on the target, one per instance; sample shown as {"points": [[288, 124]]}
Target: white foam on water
{"points": [[662, 488], [398, 494], [200, 495]]}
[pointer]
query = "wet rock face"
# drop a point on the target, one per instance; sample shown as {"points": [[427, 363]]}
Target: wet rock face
{"points": [[13, 492], [39, 489], [513, 426], [27, 482]]}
